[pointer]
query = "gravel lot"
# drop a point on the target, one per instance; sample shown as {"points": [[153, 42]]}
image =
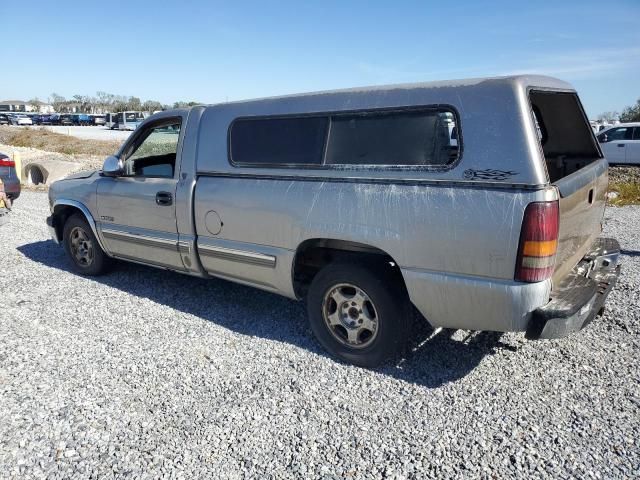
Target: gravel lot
{"points": [[147, 373], [92, 133]]}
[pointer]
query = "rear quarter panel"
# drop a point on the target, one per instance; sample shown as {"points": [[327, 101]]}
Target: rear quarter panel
{"points": [[455, 245], [471, 231]]}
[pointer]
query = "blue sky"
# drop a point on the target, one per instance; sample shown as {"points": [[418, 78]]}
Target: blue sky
{"points": [[211, 52]]}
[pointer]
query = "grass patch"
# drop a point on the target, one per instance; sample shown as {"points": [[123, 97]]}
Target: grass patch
{"points": [[44, 139], [628, 193]]}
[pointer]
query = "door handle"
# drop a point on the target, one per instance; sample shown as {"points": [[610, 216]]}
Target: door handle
{"points": [[621, 145], [164, 199]]}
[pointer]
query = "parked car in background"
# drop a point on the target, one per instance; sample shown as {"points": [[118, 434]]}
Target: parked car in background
{"points": [[66, 119], [36, 119], [54, 119], [364, 204], [4, 119], [597, 126], [111, 121], [20, 119], [129, 120], [621, 143], [46, 119], [82, 119], [98, 119], [9, 177]]}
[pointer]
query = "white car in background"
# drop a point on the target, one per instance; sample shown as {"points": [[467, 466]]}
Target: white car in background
{"points": [[621, 143], [21, 120]]}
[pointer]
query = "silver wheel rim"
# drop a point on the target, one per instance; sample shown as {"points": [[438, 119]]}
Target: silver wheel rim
{"points": [[81, 247], [350, 315]]}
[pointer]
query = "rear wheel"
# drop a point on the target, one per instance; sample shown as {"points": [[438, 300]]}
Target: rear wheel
{"points": [[82, 247], [358, 314]]}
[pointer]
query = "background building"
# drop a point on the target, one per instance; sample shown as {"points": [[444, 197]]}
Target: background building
{"points": [[20, 106]]}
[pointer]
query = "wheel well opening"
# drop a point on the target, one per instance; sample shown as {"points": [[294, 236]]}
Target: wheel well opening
{"points": [[313, 255], [61, 214]]}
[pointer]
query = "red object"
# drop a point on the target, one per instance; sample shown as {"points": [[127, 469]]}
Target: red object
{"points": [[540, 227], [7, 162]]}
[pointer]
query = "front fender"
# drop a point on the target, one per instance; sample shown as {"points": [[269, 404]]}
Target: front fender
{"points": [[58, 207]]}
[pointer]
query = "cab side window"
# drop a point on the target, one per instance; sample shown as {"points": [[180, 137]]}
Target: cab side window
{"points": [[622, 133], [153, 153]]}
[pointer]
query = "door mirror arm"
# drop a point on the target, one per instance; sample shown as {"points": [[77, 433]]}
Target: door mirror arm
{"points": [[112, 167]]}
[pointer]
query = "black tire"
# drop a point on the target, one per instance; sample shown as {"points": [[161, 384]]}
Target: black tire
{"points": [[77, 229], [390, 303]]}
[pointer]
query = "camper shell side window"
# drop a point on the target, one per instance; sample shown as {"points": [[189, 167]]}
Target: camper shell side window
{"points": [[423, 137]]}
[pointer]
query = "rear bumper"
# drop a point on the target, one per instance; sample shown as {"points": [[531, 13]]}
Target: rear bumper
{"points": [[580, 297], [12, 187]]}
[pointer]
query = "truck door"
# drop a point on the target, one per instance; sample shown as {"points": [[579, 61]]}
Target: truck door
{"points": [[632, 154], [137, 212], [614, 144]]}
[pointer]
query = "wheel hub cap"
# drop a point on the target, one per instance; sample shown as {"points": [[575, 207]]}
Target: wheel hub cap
{"points": [[81, 247], [350, 315]]}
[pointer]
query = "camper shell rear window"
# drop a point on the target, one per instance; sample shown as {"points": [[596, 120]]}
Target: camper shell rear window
{"points": [[425, 137], [564, 132]]}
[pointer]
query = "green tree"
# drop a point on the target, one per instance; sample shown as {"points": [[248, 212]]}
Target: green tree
{"points": [[631, 114]]}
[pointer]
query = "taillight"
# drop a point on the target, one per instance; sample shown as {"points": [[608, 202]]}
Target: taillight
{"points": [[538, 242], [6, 162]]}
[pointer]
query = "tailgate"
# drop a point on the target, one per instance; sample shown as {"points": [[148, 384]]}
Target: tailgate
{"points": [[582, 203], [574, 165]]}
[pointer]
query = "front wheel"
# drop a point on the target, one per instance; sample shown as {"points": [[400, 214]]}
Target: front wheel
{"points": [[82, 247], [358, 314]]}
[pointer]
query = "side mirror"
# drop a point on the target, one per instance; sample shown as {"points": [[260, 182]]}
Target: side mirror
{"points": [[112, 167]]}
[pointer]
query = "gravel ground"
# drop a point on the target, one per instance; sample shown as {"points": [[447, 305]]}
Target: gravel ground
{"points": [[621, 174], [91, 133], [146, 373]]}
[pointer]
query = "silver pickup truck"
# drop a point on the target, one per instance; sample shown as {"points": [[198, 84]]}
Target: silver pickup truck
{"points": [[478, 202]]}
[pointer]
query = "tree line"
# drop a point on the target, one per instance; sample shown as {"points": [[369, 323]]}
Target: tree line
{"points": [[108, 102], [629, 114]]}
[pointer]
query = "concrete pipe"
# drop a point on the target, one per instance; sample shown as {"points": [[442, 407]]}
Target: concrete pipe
{"points": [[48, 171]]}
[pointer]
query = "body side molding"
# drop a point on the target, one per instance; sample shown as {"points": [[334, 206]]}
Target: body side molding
{"points": [[140, 239], [243, 256]]}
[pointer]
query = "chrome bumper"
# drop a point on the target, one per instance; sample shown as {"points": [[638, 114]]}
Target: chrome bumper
{"points": [[580, 297]]}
